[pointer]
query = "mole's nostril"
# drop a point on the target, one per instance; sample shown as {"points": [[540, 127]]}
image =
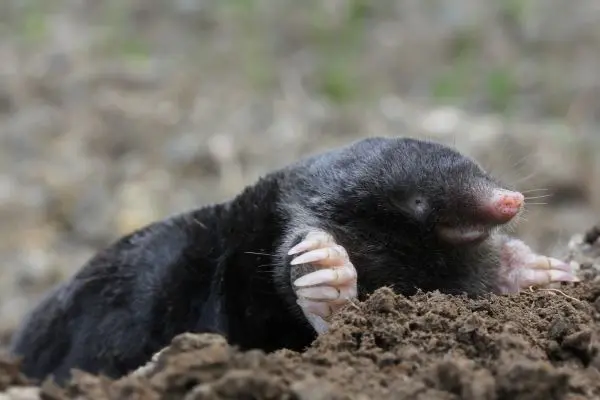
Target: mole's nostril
{"points": [[509, 202]]}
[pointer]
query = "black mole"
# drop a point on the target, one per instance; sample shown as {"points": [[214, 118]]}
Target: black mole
{"points": [[267, 268]]}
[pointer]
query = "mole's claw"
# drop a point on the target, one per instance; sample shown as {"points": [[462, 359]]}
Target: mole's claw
{"points": [[303, 246], [311, 256], [562, 276], [331, 276], [319, 293], [543, 262], [330, 255], [522, 268], [533, 277], [327, 293], [313, 240], [330, 285]]}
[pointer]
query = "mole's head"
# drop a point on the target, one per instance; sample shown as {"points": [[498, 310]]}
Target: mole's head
{"points": [[431, 190]]}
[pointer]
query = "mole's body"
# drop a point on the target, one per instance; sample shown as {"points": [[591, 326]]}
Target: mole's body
{"points": [[267, 268]]}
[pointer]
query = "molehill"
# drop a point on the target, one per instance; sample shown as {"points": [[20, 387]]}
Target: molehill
{"points": [[540, 344]]}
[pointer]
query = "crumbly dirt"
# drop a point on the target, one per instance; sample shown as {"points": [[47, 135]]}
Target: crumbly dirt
{"points": [[540, 344]]}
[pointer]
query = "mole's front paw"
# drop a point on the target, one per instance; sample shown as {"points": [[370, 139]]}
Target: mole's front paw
{"points": [[331, 282], [522, 268]]}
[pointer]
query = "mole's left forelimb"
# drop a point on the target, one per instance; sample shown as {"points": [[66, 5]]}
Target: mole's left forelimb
{"points": [[521, 267], [331, 280]]}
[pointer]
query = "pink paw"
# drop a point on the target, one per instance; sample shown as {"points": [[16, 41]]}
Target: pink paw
{"points": [[522, 268], [332, 284]]}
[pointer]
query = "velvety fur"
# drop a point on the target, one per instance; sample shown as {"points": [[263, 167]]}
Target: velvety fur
{"points": [[224, 268]]}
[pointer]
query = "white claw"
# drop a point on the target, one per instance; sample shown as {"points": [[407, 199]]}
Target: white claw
{"points": [[536, 277], [319, 293], [330, 276], [303, 246], [547, 263], [312, 241], [328, 253], [311, 256], [327, 293], [562, 276]]}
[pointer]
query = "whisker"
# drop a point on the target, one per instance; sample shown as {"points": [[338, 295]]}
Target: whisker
{"points": [[515, 222], [525, 178], [262, 269], [265, 265], [196, 220], [537, 204], [522, 216], [258, 254], [519, 162], [534, 190], [538, 197]]}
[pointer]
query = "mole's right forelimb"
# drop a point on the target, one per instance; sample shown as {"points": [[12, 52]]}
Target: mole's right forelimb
{"points": [[521, 267], [332, 282]]}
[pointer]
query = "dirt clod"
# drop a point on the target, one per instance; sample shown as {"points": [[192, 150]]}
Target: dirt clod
{"points": [[592, 235]]}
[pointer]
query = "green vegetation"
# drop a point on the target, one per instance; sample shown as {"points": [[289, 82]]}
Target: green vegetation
{"points": [[501, 87], [34, 25], [340, 49], [264, 31]]}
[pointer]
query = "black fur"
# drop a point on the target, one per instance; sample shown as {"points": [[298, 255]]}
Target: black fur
{"points": [[224, 268]]}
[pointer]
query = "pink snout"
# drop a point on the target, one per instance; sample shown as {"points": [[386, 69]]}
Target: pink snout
{"points": [[503, 205]]}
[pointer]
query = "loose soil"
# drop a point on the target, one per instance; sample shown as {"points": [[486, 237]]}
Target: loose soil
{"points": [[540, 344]]}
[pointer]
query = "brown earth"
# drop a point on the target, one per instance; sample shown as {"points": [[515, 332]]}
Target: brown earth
{"points": [[540, 344]]}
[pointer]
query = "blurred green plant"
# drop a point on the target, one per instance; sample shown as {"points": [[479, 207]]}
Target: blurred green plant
{"points": [[340, 47], [29, 20], [338, 83], [464, 78], [121, 40], [454, 82], [34, 25], [501, 87], [514, 9]]}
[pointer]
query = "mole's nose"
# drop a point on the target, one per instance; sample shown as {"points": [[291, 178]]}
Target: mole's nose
{"points": [[503, 205]]}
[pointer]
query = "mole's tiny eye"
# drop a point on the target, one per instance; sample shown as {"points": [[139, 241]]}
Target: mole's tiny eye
{"points": [[419, 201], [419, 204]]}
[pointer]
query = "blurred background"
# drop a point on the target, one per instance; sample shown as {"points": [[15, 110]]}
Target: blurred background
{"points": [[116, 113]]}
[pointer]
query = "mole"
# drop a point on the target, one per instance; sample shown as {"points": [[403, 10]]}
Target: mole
{"points": [[268, 268]]}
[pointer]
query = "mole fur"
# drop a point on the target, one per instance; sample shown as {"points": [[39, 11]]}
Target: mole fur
{"points": [[224, 268]]}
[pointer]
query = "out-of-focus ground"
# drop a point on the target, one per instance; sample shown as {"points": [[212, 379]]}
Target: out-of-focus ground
{"points": [[117, 113]]}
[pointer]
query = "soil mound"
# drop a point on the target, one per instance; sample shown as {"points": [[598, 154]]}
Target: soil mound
{"points": [[540, 344]]}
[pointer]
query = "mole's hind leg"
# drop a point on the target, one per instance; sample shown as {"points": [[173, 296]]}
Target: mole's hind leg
{"points": [[331, 285], [522, 268]]}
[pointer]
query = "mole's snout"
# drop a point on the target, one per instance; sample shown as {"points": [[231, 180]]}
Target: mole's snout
{"points": [[503, 205], [498, 207]]}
